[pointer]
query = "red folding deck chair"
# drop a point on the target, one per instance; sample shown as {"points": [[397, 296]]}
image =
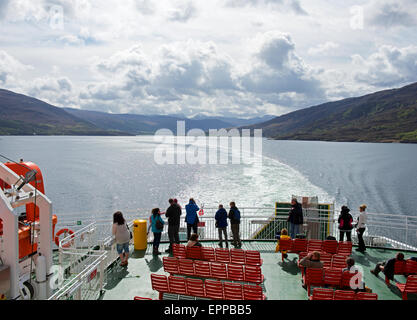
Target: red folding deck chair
{"points": [[409, 287], [232, 291], [344, 295], [253, 258], [314, 245], [237, 256], [253, 292], [330, 246], [214, 289], [160, 284], [332, 277], [313, 277], [207, 253], [344, 248], [170, 265], [366, 296], [235, 272], [322, 294], [195, 287], [193, 253], [222, 255]]}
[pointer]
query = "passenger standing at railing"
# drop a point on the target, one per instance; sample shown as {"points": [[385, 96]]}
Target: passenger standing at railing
{"points": [[122, 236], [221, 224], [157, 225], [345, 224], [295, 218], [173, 214], [191, 217], [360, 229], [234, 216]]}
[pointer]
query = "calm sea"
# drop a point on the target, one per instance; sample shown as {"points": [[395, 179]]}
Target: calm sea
{"points": [[98, 175]]}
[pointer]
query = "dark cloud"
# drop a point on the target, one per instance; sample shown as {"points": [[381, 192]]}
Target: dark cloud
{"points": [[284, 5], [183, 12], [3, 8], [388, 13], [145, 7]]}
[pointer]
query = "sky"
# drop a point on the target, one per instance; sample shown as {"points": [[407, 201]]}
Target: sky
{"points": [[240, 58]]}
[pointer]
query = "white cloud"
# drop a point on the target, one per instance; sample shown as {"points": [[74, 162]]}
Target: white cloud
{"points": [[389, 66], [241, 57], [10, 68], [323, 48]]}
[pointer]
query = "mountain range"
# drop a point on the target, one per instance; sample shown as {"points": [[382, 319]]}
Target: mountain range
{"points": [[24, 115], [385, 116]]}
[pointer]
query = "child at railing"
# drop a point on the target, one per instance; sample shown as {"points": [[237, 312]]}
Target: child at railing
{"points": [[283, 235]]}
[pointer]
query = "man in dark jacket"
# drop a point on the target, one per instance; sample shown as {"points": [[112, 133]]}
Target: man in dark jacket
{"points": [[387, 267], [234, 216], [221, 224], [191, 217], [173, 214], [295, 218]]}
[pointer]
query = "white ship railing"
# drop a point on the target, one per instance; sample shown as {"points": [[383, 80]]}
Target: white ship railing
{"points": [[383, 230]]}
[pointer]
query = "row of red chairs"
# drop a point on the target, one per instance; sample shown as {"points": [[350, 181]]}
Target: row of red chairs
{"points": [[211, 289], [326, 246], [328, 277], [335, 261], [223, 255], [409, 287], [330, 294], [214, 270], [406, 267]]}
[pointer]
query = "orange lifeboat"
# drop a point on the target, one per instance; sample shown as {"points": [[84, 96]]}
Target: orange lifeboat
{"points": [[32, 213]]}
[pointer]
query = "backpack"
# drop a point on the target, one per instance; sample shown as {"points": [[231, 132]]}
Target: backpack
{"points": [[236, 214], [159, 225]]}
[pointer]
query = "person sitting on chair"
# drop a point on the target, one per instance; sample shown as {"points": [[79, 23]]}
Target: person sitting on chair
{"points": [[312, 260], [350, 263], [193, 242], [387, 267], [284, 235]]}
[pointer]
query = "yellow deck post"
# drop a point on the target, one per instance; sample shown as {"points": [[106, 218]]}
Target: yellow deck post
{"points": [[140, 238]]}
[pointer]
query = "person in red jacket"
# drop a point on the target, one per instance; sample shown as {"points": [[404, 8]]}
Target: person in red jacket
{"points": [[345, 224]]}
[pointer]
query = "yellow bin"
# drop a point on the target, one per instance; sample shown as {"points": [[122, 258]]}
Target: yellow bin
{"points": [[140, 238]]}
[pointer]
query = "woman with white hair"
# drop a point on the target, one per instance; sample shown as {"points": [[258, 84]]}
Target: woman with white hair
{"points": [[360, 228]]}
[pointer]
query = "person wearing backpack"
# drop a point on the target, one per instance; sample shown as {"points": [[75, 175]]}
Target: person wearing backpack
{"points": [[234, 216], [157, 225], [345, 224], [221, 225], [191, 217]]}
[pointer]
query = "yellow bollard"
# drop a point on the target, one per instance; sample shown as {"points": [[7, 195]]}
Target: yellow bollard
{"points": [[140, 238]]}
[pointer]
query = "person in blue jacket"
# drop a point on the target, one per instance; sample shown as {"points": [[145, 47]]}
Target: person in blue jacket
{"points": [[191, 217], [221, 224], [156, 216]]}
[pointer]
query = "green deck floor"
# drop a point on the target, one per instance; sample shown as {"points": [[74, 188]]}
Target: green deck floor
{"points": [[282, 280]]}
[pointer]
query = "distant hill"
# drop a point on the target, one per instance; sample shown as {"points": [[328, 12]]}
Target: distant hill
{"points": [[385, 116], [144, 124], [23, 115], [236, 122]]}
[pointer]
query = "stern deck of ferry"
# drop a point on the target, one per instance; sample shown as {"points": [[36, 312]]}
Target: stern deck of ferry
{"points": [[282, 279]]}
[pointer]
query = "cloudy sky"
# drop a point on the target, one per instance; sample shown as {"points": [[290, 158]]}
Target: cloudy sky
{"points": [[219, 57]]}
